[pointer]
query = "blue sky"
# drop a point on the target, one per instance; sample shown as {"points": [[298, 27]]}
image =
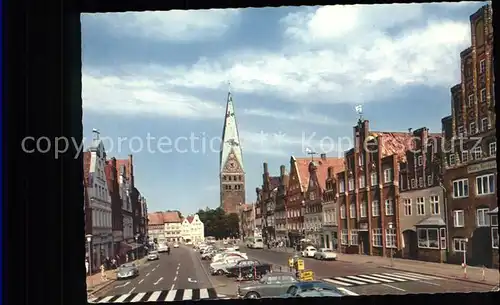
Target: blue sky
{"points": [[296, 75]]}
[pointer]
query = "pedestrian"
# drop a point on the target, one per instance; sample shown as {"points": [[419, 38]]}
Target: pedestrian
{"points": [[103, 272], [87, 266]]}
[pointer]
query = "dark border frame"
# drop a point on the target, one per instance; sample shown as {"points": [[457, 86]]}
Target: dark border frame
{"points": [[42, 196]]}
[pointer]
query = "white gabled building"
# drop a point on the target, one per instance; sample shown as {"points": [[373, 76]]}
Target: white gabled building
{"points": [[100, 201], [193, 229]]}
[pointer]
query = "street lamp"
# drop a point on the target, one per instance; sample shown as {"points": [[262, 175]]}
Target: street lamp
{"points": [[89, 242], [136, 244], [464, 264], [392, 260]]}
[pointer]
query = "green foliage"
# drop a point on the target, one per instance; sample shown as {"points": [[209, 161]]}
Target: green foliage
{"points": [[218, 224]]}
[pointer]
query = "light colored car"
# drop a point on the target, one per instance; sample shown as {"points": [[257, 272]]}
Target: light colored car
{"points": [[309, 251], [223, 255], [220, 267], [163, 248], [325, 254], [176, 245], [153, 255], [127, 271]]}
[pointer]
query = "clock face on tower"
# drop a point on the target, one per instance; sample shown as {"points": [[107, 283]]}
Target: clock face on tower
{"points": [[232, 164]]}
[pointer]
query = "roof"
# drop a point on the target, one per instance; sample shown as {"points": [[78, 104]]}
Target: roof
{"points": [[86, 166], [322, 165], [494, 211], [432, 221], [190, 218], [171, 217], [109, 172], [394, 143], [230, 136], [155, 218], [274, 182]]}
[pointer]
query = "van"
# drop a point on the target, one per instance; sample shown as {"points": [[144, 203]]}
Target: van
{"points": [[258, 243]]}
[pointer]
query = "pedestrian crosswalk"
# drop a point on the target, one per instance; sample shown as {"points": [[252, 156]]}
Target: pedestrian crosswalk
{"points": [[161, 296], [378, 278]]}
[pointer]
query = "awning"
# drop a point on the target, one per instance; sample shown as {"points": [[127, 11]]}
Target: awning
{"points": [[126, 247]]}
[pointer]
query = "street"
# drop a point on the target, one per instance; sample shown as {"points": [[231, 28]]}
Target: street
{"points": [[174, 277], [368, 279]]}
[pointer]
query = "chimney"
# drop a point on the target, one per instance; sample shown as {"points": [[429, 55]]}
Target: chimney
{"points": [[130, 172], [330, 172], [282, 171], [323, 157], [265, 168]]}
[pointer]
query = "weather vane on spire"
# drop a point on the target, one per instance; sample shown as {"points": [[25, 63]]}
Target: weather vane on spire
{"points": [[229, 86], [359, 111]]}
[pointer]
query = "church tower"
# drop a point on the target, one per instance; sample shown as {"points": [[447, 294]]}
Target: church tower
{"points": [[232, 173]]}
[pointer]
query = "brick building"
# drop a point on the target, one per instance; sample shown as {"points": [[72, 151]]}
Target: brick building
{"points": [[295, 198], [280, 210], [369, 192], [315, 180], [267, 203], [470, 160], [330, 207], [422, 201]]}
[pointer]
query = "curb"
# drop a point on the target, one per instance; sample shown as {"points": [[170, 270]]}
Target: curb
{"points": [[441, 275]]}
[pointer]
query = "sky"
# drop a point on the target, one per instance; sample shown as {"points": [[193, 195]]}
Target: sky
{"points": [[155, 85]]}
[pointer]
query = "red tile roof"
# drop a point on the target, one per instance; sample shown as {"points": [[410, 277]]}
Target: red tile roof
{"points": [[171, 217], [155, 218], [322, 169], [394, 143], [110, 172], [190, 218]]}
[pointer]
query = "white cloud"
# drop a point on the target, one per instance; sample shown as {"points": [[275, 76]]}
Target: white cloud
{"points": [[300, 117], [175, 25], [340, 54]]}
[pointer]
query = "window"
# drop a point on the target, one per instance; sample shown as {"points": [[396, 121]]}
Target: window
{"points": [[373, 178], [389, 207], [420, 206], [364, 209], [477, 152], [388, 175], [482, 66], [494, 220], [485, 184], [442, 238], [465, 156], [461, 188], [452, 159], [429, 180], [482, 218], [352, 210], [472, 128], [362, 181], [494, 237], [361, 159], [460, 131], [458, 218], [420, 182], [351, 184], [459, 244], [342, 211], [407, 206], [312, 196], [375, 208], [493, 149], [342, 186], [483, 95], [484, 124], [354, 238], [413, 183], [344, 237], [434, 203], [428, 238], [377, 237], [471, 100], [390, 238]]}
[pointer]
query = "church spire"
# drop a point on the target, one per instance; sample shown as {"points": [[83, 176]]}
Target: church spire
{"points": [[230, 136]]}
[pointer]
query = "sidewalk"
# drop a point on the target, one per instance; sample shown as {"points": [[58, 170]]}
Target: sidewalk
{"points": [[456, 272], [96, 283]]}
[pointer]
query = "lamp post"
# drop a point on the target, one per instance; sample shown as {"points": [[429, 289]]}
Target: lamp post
{"points": [[464, 264], [391, 253], [89, 243], [137, 248]]}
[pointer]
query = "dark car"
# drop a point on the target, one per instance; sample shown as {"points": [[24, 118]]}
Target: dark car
{"points": [[311, 289], [270, 285], [249, 269]]}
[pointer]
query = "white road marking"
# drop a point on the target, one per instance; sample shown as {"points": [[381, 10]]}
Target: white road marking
{"points": [[172, 287], [188, 294], [175, 278], [153, 269], [154, 296], [362, 279], [346, 291], [106, 299], [339, 278], [396, 279], [132, 290], [147, 274], [159, 280], [138, 297], [122, 298], [142, 280], [204, 293], [337, 282], [393, 287], [171, 294], [374, 278], [421, 276], [191, 280], [123, 285], [177, 272]]}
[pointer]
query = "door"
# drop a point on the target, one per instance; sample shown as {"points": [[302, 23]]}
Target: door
{"points": [[364, 242], [479, 248], [411, 244]]}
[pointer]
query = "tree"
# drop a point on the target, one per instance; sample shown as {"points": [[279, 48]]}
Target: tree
{"points": [[219, 224]]}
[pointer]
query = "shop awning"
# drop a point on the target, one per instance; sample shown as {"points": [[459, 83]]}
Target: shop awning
{"points": [[126, 247]]}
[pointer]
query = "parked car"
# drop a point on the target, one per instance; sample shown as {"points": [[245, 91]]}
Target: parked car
{"points": [[176, 245], [249, 269], [325, 254], [209, 254], [153, 255], [126, 271], [312, 289], [222, 255], [220, 268], [269, 286], [309, 251], [163, 248]]}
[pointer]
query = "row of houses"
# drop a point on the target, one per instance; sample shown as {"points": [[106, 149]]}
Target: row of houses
{"points": [[115, 209], [416, 194], [171, 226]]}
